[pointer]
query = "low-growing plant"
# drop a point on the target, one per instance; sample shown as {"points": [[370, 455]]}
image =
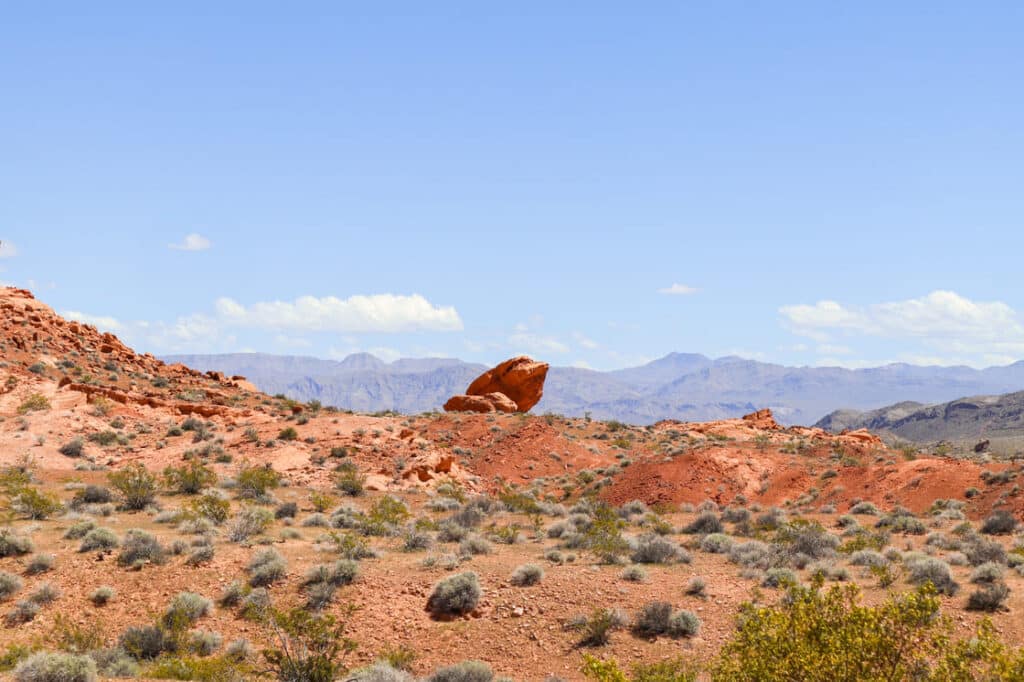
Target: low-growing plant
{"points": [[455, 595], [136, 486]]}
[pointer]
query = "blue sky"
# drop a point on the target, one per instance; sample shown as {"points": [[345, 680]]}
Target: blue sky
{"points": [[591, 183]]}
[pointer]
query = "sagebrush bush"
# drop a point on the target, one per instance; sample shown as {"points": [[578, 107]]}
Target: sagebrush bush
{"points": [[527, 574], [266, 568], [705, 524], [934, 571], [653, 618], [73, 448], [12, 544], [10, 584], [989, 572], [455, 594], [989, 597], [102, 595], [39, 563], [654, 549], [146, 642], [98, 539], [248, 522], [633, 574], [185, 609], [138, 547], [467, 671], [56, 667], [716, 543], [1001, 522], [200, 555], [683, 624]]}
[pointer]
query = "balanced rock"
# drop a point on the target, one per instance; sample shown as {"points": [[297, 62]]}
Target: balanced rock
{"points": [[519, 381]]}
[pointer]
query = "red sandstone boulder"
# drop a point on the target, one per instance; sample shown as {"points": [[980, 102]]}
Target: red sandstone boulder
{"points": [[521, 379], [492, 402]]}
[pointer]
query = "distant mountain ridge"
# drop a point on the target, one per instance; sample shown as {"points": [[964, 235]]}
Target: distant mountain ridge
{"points": [[683, 386], [998, 419]]}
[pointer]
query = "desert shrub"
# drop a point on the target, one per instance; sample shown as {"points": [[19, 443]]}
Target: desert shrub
{"points": [[830, 635], [249, 521], [102, 595], [683, 624], [266, 568], [309, 647], [603, 536], [696, 587], [56, 667], [751, 554], [979, 550], [455, 594], [256, 604], [139, 546], [253, 482], [779, 577], [705, 524], [79, 529], [416, 540], [210, 506], [384, 516], [633, 574], [286, 510], [91, 494], [672, 670], [185, 609], [475, 545], [902, 522], [868, 557], [103, 438], [189, 479], [146, 642], [200, 556], [342, 572], [136, 486], [12, 544], [451, 532], [654, 549], [934, 571], [527, 574], [735, 515], [10, 584], [288, 433], [653, 618], [596, 629], [716, 543], [36, 402], [1001, 522], [34, 504], [98, 539], [40, 563], [349, 480], [319, 595], [467, 671], [204, 642], [232, 594], [23, 612], [807, 538], [989, 572], [73, 448], [866, 508], [988, 597], [381, 671]]}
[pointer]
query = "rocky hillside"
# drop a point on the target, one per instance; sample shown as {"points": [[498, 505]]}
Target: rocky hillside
{"points": [[681, 386], [997, 419]]}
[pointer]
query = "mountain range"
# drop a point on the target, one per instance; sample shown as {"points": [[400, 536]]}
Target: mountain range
{"points": [[685, 386]]}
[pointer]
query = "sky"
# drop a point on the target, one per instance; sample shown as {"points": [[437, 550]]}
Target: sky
{"points": [[594, 184]]}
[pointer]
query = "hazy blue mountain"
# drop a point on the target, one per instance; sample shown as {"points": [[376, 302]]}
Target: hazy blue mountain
{"points": [[998, 419], [678, 386]]}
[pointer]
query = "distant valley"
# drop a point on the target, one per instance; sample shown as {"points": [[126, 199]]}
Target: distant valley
{"points": [[683, 386]]}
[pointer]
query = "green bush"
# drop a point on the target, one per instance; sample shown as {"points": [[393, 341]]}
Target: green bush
{"points": [[253, 482], [33, 504], [309, 647], [36, 402], [212, 507], [830, 635], [135, 484], [288, 433], [189, 479], [673, 670]]}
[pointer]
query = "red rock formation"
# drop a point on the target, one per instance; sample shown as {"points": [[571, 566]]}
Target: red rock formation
{"points": [[521, 379], [762, 419], [492, 402]]}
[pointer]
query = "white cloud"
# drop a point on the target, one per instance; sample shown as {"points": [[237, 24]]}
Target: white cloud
{"points": [[192, 242], [536, 343], [678, 290], [585, 342], [582, 364], [8, 250], [356, 314], [99, 321], [833, 349], [961, 330]]}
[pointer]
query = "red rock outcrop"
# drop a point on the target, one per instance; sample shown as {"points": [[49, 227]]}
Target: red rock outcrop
{"points": [[521, 379], [492, 402]]}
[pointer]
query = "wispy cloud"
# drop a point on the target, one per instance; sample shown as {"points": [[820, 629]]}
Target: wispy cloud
{"points": [[388, 313], [8, 249], [192, 242], [678, 290]]}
